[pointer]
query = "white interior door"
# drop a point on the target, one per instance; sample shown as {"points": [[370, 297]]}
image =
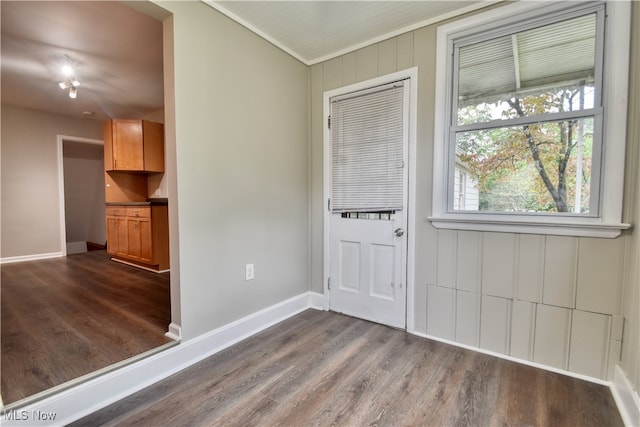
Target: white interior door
{"points": [[368, 208]]}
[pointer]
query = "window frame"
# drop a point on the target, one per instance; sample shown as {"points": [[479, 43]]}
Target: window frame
{"points": [[605, 218], [462, 194]]}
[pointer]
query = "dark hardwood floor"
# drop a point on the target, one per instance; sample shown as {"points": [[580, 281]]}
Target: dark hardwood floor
{"points": [[321, 368], [63, 318]]}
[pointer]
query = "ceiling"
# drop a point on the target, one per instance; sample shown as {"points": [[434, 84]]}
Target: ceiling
{"points": [[117, 50], [314, 31]]}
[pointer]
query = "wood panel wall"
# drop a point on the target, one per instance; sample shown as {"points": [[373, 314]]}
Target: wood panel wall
{"points": [[547, 299]]}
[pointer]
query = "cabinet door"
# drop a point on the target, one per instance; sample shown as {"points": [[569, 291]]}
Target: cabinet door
{"points": [[128, 154], [153, 141], [123, 237], [112, 235], [133, 225], [146, 241]]}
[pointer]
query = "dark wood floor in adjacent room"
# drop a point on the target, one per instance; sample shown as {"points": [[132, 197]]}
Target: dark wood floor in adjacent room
{"points": [[321, 368], [66, 317]]}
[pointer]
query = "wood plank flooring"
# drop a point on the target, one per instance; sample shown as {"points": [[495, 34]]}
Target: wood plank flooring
{"points": [[66, 317], [321, 368]]}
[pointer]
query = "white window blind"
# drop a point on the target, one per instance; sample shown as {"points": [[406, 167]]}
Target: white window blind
{"points": [[367, 147]]}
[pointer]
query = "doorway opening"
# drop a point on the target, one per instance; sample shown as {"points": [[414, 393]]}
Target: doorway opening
{"points": [[107, 275], [82, 196]]}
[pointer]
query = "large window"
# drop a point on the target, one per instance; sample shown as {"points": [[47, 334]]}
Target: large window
{"points": [[525, 114]]}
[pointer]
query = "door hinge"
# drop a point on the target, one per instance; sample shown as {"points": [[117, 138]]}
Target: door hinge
{"points": [[329, 204], [329, 283], [328, 122]]}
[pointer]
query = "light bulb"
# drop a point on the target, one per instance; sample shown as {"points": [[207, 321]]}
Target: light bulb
{"points": [[73, 92], [64, 85], [75, 82], [67, 70]]}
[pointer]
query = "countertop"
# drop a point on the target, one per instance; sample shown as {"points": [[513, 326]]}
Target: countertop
{"points": [[154, 201]]}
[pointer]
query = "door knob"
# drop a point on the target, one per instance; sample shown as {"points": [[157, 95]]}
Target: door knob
{"points": [[399, 232]]}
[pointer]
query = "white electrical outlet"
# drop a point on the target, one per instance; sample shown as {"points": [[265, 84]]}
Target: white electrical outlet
{"points": [[249, 272]]}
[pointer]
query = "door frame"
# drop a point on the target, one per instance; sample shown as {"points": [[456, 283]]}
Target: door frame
{"points": [[410, 74], [61, 197]]}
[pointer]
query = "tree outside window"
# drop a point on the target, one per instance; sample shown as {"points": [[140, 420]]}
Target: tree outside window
{"points": [[527, 116]]}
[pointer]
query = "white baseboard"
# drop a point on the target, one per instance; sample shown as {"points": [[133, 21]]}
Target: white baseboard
{"points": [[174, 332], [21, 258], [76, 248], [626, 398], [76, 402], [317, 301]]}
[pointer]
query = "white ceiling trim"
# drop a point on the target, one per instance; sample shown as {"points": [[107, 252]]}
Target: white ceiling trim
{"points": [[214, 4]]}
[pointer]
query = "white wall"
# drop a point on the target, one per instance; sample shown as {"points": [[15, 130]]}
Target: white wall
{"points": [[30, 207], [241, 142], [552, 300]]}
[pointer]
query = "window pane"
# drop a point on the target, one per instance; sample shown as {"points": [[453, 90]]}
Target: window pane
{"points": [[546, 69], [540, 167]]}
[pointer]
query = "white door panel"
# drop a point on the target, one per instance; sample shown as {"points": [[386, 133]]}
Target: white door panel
{"points": [[367, 257], [348, 254], [367, 272], [382, 268]]}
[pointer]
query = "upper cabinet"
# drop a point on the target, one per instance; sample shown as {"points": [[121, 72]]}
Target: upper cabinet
{"points": [[133, 145]]}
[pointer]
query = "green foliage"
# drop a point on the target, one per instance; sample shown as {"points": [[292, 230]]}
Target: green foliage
{"points": [[529, 168]]}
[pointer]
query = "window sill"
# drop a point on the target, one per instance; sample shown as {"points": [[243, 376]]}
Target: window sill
{"points": [[566, 226]]}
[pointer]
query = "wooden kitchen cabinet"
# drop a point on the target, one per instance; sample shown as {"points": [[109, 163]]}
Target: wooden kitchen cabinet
{"points": [[139, 234], [140, 242], [112, 235], [122, 249], [133, 145], [115, 219]]}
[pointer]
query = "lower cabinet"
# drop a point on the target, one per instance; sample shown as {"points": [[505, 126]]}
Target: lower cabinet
{"points": [[139, 234]]}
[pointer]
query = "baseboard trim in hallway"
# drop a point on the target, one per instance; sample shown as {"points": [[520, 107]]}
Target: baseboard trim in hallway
{"points": [[74, 403], [35, 257]]}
